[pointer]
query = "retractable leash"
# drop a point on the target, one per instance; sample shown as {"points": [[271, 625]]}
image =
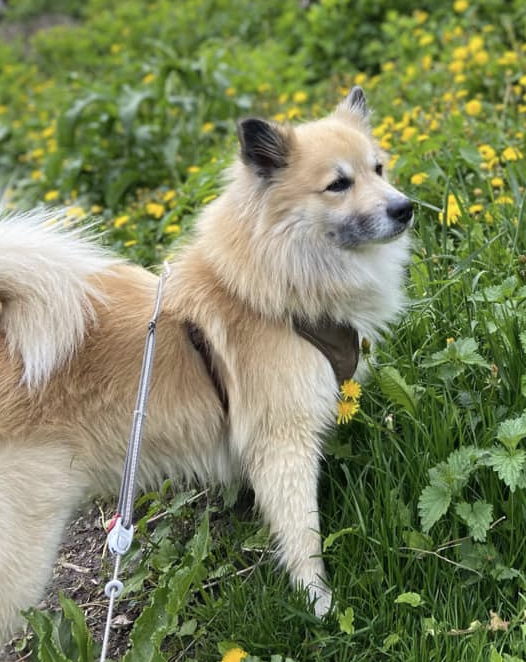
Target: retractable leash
{"points": [[120, 528]]}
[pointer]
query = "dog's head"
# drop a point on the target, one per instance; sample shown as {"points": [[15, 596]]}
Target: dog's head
{"points": [[327, 176]]}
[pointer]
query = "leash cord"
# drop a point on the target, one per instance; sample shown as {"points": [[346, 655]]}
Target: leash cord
{"points": [[120, 529]]}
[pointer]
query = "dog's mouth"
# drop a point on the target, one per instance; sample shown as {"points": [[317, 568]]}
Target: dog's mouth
{"points": [[367, 230]]}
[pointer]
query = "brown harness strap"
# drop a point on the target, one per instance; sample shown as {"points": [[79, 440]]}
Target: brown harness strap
{"points": [[337, 342], [201, 344]]}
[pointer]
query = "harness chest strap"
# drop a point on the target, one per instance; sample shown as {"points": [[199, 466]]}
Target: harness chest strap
{"points": [[337, 342]]}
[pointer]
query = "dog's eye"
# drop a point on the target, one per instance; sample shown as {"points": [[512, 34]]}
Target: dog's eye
{"points": [[379, 169], [340, 184]]}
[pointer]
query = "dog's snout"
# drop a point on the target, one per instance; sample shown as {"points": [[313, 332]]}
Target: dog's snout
{"points": [[401, 211]]}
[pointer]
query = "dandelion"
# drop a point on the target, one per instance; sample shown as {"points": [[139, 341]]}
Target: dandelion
{"points": [[230, 91], [293, 112], [360, 79], [120, 221], [426, 62], [3, 109], [452, 213], [511, 154], [115, 48], [450, 341], [51, 195], [155, 209], [76, 212], [96, 209], [388, 66], [497, 182], [419, 178], [408, 133], [234, 655], [476, 208], [473, 107], [346, 411], [169, 195], [504, 200], [193, 169], [420, 16], [351, 390], [508, 59], [173, 228], [48, 132], [487, 152], [130, 242], [426, 39], [460, 6], [36, 175], [208, 127], [299, 97], [149, 78], [209, 198]]}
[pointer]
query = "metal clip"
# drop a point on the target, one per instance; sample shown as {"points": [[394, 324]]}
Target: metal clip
{"points": [[119, 538]]}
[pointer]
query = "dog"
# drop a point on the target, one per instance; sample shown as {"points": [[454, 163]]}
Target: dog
{"points": [[307, 245]]}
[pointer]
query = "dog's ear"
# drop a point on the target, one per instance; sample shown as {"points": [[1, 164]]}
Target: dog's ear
{"points": [[355, 103], [264, 146]]}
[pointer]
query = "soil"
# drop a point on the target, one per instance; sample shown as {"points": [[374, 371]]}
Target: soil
{"points": [[80, 575]]}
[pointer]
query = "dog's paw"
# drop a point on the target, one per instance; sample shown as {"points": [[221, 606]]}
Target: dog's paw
{"points": [[321, 596]]}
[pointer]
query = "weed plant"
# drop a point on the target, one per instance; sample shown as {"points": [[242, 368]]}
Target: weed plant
{"points": [[129, 115]]}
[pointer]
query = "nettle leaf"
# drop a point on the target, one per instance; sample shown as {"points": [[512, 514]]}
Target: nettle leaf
{"points": [[399, 392], [467, 352], [511, 431], [477, 517], [509, 465], [433, 503], [455, 472]]}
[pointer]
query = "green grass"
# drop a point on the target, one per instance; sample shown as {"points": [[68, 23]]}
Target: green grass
{"points": [[137, 127]]}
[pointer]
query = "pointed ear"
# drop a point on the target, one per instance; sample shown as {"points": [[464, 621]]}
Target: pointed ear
{"points": [[355, 103], [264, 146]]}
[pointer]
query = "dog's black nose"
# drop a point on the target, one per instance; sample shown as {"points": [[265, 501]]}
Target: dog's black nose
{"points": [[401, 211]]}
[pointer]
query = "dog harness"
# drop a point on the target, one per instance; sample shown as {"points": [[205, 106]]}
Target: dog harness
{"points": [[337, 342]]}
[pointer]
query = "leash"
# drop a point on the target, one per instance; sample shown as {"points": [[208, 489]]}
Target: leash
{"points": [[120, 528]]}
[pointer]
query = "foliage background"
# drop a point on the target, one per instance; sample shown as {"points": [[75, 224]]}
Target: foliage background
{"points": [[127, 111]]}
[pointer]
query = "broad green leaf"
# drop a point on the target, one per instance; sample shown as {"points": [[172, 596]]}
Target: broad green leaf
{"points": [[477, 517], [412, 599], [495, 656], [117, 187], [390, 641], [398, 391], [433, 503], [129, 104], [508, 464], [417, 540], [332, 537], [510, 432], [45, 629], [346, 621], [67, 121], [79, 629]]}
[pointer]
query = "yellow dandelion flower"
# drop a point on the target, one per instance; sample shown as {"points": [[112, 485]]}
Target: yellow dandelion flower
{"points": [[350, 390], [169, 195], [36, 154], [279, 117], [476, 43], [193, 169], [115, 48], [234, 655], [460, 6], [120, 221], [96, 209], [460, 53], [3, 109], [487, 152], [419, 178], [293, 112], [360, 79], [522, 81], [408, 133], [392, 161], [149, 78], [209, 198], [230, 91], [511, 154], [208, 127], [173, 228], [263, 87], [504, 200], [155, 209], [497, 182], [476, 208], [36, 175], [473, 107], [426, 62], [51, 195], [48, 132], [346, 411], [299, 97], [481, 58], [426, 39], [452, 213], [420, 16], [76, 212], [388, 66], [130, 242], [508, 59], [456, 67], [450, 341]]}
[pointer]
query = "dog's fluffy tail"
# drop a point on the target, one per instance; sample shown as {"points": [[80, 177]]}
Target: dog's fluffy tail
{"points": [[47, 285]]}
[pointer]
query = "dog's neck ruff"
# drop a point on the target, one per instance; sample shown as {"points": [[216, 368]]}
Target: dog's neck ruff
{"points": [[337, 342]]}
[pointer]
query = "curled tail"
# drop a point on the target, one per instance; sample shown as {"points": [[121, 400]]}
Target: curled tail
{"points": [[47, 284]]}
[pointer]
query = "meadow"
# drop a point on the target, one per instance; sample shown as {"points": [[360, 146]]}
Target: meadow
{"points": [[127, 113]]}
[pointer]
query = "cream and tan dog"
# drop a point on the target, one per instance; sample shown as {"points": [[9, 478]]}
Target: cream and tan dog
{"points": [[307, 232]]}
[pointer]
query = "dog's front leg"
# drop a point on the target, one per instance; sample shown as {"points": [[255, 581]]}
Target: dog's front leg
{"points": [[284, 471]]}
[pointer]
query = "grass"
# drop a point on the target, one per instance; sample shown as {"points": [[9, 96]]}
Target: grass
{"points": [[425, 487]]}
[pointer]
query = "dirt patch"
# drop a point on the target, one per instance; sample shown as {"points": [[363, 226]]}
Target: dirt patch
{"points": [[80, 575], [11, 30]]}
